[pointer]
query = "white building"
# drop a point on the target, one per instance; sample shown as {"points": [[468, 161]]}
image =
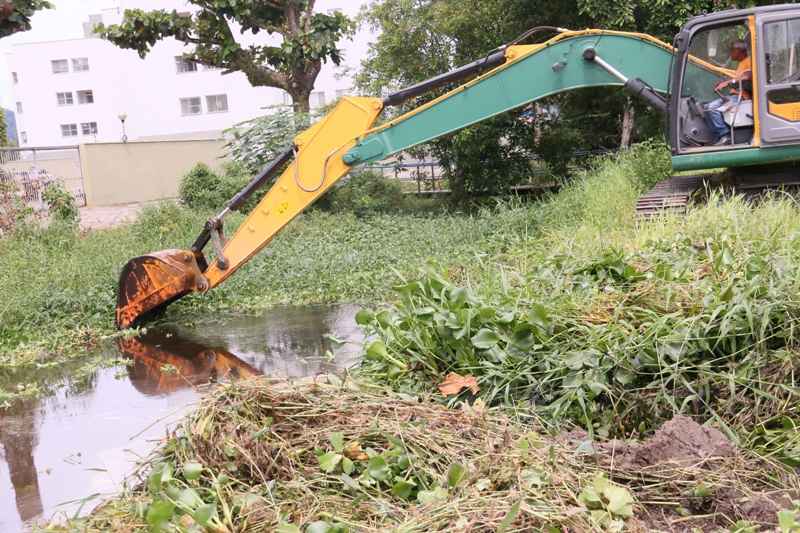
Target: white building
{"points": [[75, 91]]}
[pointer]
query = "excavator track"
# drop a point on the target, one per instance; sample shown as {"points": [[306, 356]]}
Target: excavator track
{"points": [[674, 194], [671, 195]]}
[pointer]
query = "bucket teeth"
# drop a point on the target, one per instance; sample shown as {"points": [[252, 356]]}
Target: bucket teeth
{"points": [[152, 281]]}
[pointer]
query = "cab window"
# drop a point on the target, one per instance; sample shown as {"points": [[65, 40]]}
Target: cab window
{"points": [[782, 51]]}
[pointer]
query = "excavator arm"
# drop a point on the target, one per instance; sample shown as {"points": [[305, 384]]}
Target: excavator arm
{"points": [[506, 79]]}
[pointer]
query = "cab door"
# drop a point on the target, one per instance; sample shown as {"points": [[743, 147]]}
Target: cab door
{"points": [[779, 76]]}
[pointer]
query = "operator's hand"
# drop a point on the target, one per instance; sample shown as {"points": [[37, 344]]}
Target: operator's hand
{"points": [[721, 85]]}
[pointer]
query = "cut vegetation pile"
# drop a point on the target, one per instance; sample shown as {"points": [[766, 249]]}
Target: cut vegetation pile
{"points": [[263, 456]]}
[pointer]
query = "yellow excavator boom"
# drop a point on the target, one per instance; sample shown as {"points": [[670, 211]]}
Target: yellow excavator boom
{"points": [[507, 78], [149, 282]]}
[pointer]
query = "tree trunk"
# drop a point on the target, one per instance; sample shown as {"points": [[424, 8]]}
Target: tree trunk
{"points": [[301, 100], [628, 123]]}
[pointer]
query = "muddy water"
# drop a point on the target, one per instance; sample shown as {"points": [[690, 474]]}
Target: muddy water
{"points": [[86, 438]]}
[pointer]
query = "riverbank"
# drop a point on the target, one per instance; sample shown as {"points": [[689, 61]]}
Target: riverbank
{"points": [[338, 456], [564, 313], [58, 286]]}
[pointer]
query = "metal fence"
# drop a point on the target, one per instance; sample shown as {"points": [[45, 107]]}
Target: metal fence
{"points": [[429, 175], [32, 169]]}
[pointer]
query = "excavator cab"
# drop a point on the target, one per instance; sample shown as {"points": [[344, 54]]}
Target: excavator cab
{"points": [[761, 110]]}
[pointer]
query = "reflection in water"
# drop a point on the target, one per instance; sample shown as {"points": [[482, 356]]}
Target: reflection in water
{"points": [[18, 442], [86, 438], [164, 363]]}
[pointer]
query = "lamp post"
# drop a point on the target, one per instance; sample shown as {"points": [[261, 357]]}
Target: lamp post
{"points": [[122, 118]]}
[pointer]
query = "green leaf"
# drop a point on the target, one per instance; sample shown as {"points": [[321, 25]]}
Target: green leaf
{"points": [[787, 521], [347, 466], [319, 526], [337, 441], [159, 513], [204, 514], [455, 475], [376, 351], [329, 461], [403, 489], [364, 317], [485, 339], [426, 497], [510, 517], [620, 501], [378, 469], [192, 471], [189, 499]]}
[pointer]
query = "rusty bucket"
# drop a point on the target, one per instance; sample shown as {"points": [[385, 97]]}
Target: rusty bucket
{"points": [[152, 281]]}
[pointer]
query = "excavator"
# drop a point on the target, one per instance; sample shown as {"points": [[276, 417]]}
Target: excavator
{"points": [[761, 119]]}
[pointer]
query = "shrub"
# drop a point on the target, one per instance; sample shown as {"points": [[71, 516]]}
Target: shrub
{"points": [[13, 210], [365, 193], [202, 188], [60, 203]]}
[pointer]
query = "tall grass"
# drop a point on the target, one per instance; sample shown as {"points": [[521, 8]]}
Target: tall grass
{"points": [[618, 324]]}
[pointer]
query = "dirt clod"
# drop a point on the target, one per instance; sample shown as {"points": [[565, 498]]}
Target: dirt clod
{"points": [[681, 441]]}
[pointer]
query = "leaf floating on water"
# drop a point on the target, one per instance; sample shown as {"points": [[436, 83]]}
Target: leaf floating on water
{"points": [[455, 383]]}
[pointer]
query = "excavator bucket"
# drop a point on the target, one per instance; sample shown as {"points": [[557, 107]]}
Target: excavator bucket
{"points": [[152, 281]]}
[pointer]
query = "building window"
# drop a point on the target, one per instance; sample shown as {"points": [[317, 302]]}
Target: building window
{"points": [[342, 92], [318, 99], [69, 130], [80, 64], [19, 108], [287, 98], [23, 136], [217, 103], [85, 97], [191, 106], [60, 66], [89, 128], [211, 67], [64, 98], [185, 65], [14, 77]]}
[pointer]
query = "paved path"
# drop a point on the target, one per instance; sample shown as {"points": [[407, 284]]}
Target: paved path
{"points": [[108, 217]]}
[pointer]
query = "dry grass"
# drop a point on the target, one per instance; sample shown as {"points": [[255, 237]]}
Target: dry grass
{"points": [[260, 444]]}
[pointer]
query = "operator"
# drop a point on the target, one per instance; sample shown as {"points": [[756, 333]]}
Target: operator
{"points": [[714, 110]]}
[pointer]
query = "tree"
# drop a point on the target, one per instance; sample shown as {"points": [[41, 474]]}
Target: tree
{"points": [[3, 128], [422, 38], [15, 15], [308, 39]]}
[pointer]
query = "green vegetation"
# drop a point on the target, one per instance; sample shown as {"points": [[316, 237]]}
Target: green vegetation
{"points": [[565, 312], [343, 457], [202, 188], [60, 203]]}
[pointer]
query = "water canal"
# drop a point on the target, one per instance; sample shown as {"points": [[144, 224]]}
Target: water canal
{"points": [[84, 440]]}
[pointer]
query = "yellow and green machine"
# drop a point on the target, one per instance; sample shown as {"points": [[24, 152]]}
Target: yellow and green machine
{"points": [[675, 79]]}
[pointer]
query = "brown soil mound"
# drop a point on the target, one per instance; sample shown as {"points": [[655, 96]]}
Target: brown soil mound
{"points": [[681, 441], [712, 483]]}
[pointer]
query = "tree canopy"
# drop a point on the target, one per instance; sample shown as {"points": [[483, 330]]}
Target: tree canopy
{"points": [[418, 39], [15, 15], [307, 39]]}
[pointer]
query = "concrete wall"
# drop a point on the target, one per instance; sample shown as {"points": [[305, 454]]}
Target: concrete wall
{"points": [[65, 167], [117, 173]]}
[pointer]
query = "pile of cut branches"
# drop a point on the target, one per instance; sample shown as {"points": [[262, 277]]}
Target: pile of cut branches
{"points": [[340, 457]]}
